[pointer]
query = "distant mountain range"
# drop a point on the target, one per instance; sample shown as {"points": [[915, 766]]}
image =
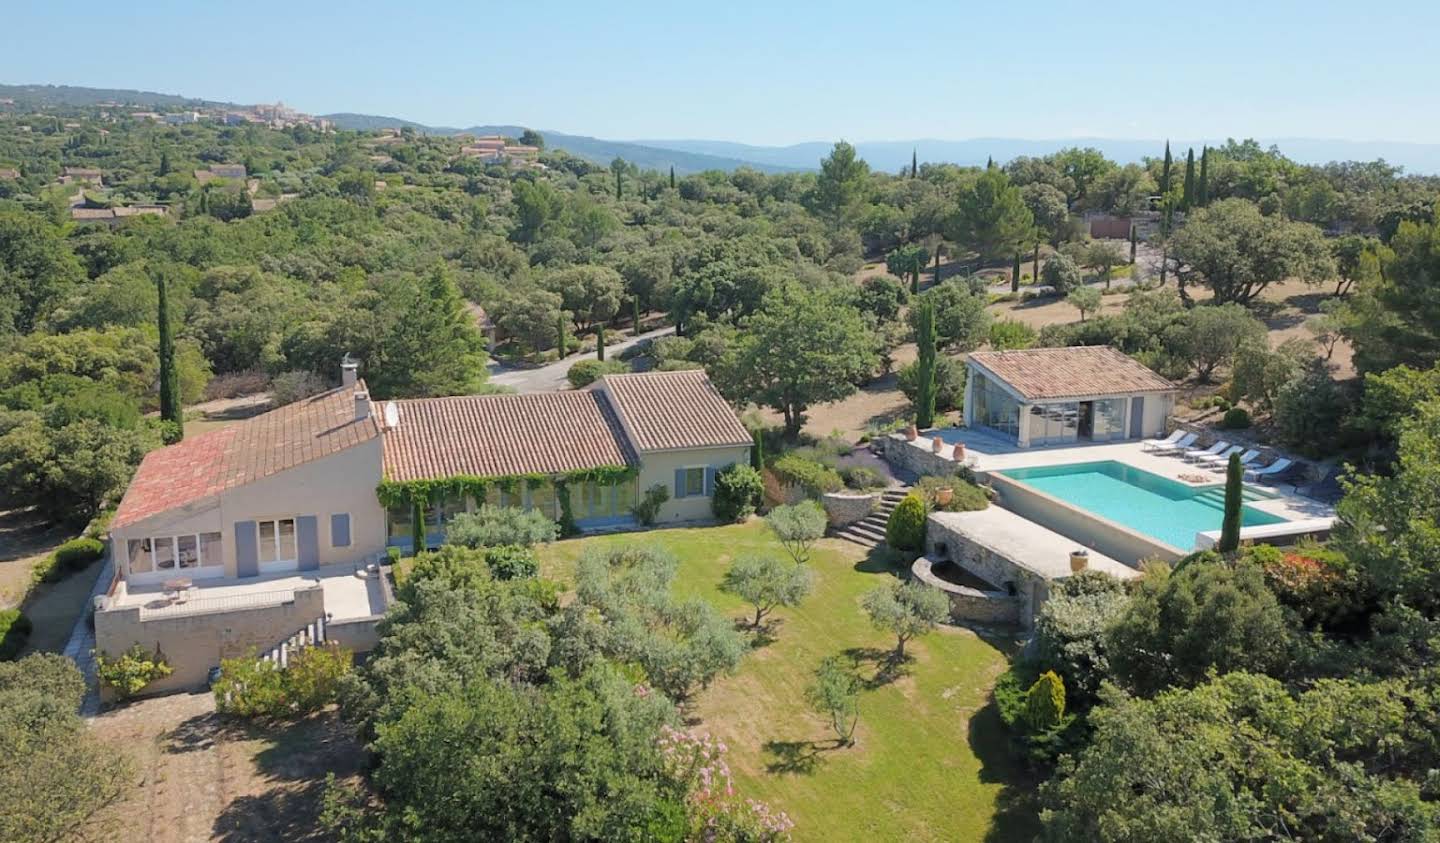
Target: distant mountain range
{"points": [[689, 156]]}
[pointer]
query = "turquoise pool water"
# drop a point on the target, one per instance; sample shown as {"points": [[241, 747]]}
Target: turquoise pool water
{"points": [[1159, 507]]}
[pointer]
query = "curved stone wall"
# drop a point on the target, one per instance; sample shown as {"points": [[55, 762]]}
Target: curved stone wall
{"points": [[969, 604], [847, 507]]}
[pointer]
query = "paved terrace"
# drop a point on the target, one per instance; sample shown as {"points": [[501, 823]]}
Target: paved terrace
{"points": [[1024, 543], [346, 595], [986, 452]]}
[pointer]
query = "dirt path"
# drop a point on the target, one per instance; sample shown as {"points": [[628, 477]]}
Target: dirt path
{"points": [[201, 777], [54, 607], [25, 538]]}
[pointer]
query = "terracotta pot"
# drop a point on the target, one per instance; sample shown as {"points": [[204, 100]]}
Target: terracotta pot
{"points": [[912, 433], [959, 452], [937, 444], [944, 496], [1079, 560]]}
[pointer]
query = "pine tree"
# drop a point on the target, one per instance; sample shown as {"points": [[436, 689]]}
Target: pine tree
{"points": [[1202, 192], [925, 380], [1230, 527], [170, 408], [757, 451], [1165, 171], [1189, 180], [914, 163], [1015, 274]]}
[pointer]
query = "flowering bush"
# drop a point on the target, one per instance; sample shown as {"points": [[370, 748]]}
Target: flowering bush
{"points": [[1318, 583], [715, 813]]}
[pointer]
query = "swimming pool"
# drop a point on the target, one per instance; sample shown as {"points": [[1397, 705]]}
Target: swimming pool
{"points": [[1156, 506]]}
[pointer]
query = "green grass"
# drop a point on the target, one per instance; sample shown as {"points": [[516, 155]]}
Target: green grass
{"points": [[931, 760]]}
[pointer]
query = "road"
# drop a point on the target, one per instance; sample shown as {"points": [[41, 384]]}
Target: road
{"points": [[551, 377]]}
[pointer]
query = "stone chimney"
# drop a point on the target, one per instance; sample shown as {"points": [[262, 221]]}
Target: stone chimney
{"points": [[349, 372], [362, 405]]}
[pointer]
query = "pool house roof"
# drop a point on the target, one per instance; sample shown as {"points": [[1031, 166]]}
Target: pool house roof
{"points": [[1084, 371]]}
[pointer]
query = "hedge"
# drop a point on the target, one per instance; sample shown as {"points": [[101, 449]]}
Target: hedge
{"points": [[813, 477], [77, 554], [14, 633]]}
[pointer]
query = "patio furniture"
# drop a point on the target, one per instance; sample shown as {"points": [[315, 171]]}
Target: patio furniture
{"points": [[178, 589], [1151, 444], [1274, 468], [1198, 454], [1177, 446], [1224, 464]]}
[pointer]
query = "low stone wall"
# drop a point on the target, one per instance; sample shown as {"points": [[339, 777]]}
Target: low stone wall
{"points": [[846, 507], [969, 604], [917, 457], [1027, 589]]}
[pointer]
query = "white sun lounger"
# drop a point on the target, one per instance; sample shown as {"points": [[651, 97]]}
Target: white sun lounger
{"points": [[1151, 444], [1197, 454], [1223, 463], [1259, 474], [1177, 446]]}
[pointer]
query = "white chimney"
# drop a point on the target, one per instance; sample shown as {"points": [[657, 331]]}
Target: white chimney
{"points": [[349, 371], [362, 405]]}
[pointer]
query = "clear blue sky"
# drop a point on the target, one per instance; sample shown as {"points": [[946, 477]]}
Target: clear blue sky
{"points": [[773, 72]]}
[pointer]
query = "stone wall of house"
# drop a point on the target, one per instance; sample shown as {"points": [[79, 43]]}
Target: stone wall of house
{"points": [[846, 508], [970, 604], [195, 642], [1027, 589]]}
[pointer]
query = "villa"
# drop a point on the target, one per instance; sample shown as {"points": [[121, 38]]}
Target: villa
{"points": [[242, 536], [1049, 396]]}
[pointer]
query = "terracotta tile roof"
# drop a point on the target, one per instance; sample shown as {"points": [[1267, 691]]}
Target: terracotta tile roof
{"points": [[1074, 372], [205, 465], [499, 435], [669, 410]]}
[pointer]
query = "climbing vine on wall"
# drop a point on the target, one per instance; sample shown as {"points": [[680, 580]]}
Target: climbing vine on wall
{"points": [[394, 493]]}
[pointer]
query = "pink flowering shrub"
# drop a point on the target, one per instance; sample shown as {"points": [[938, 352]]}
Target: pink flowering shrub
{"points": [[716, 814]]}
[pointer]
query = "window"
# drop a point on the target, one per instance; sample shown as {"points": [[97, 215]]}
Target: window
{"points": [[140, 559], [695, 481], [277, 540], [212, 550], [164, 554], [187, 551], [167, 553], [399, 521]]}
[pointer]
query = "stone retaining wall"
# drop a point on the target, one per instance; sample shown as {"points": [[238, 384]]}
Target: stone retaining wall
{"points": [[970, 604], [845, 508], [917, 457], [1029, 590]]}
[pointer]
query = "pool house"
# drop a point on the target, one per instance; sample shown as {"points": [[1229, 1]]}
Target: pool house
{"points": [[1065, 396]]}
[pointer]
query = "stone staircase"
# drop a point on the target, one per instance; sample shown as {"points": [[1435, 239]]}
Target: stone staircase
{"points": [[870, 530], [312, 634]]}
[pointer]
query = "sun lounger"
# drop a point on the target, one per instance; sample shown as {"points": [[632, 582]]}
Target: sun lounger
{"points": [[1177, 446], [1151, 444], [1197, 454], [1280, 466], [1223, 463]]}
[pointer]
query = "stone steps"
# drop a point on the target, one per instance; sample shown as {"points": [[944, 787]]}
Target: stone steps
{"points": [[869, 531]]}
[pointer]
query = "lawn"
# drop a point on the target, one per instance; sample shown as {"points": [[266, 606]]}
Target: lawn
{"points": [[930, 761]]}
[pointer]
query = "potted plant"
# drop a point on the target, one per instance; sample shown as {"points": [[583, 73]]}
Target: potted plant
{"points": [[1079, 560], [944, 495]]}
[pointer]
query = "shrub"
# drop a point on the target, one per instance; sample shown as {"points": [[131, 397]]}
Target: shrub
{"points": [[313, 676], [15, 630], [1008, 334], [1236, 418], [77, 554], [493, 526], [949, 383], [1320, 584], [48, 674], [1045, 702], [289, 387], [1070, 630], [862, 477], [511, 562], [132, 671], [737, 492], [1060, 273], [250, 687], [906, 528], [236, 384], [586, 372], [965, 496], [811, 476], [648, 508]]}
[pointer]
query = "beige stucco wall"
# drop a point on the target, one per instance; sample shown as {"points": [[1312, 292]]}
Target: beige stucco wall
{"points": [[659, 467], [340, 483]]}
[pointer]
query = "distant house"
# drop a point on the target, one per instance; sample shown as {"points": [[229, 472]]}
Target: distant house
{"points": [[220, 171], [9, 174], [87, 175], [113, 216], [1046, 396], [181, 118]]}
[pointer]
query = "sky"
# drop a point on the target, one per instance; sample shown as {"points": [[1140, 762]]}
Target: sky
{"points": [[773, 72]]}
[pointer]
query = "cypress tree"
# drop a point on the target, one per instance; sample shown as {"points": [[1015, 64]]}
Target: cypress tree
{"points": [[672, 176], [1202, 192], [600, 341], [925, 364], [560, 335], [417, 528], [1165, 171], [1132, 244], [757, 451], [1189, 180], [914, 163], [1015, 274], [170, 407], [635, 314], [1230, 527], [1035, 263], [619, 186], [989, 162], [936, 279]]}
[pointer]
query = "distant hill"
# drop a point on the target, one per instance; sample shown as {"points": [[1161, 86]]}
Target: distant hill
{"points": [[67, 95], [890, 156], [594, 149]]}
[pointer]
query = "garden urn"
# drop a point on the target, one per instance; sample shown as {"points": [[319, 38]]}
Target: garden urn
{"points": [[912, 433], [937, 444], [944, 495], [1079, 560], [959, 452]]}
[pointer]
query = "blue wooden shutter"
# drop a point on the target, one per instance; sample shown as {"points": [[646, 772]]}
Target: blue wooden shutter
{"points": [[709, 481], [679, 482], [307, 540], [247, 549], [340, 529]]}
